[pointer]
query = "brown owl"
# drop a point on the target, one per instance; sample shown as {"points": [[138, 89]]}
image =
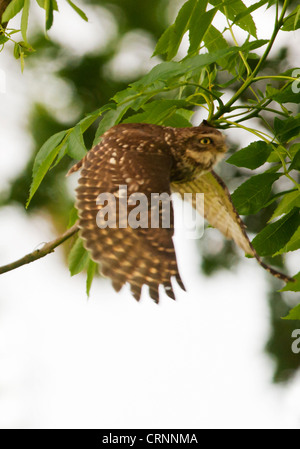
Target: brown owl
{"points": [[135, 159]]}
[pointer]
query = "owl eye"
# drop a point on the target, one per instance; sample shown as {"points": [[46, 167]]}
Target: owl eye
{"points": [[205, 141]]}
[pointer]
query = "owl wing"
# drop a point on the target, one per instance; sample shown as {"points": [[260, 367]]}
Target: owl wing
{"points": [[220, 212], [138, 256]]}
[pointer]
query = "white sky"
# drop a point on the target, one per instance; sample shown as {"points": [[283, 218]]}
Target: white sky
{"points": [[113, 363]]}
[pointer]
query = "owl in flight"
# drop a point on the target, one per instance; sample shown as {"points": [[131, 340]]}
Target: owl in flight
{"points": [[146, 159]]}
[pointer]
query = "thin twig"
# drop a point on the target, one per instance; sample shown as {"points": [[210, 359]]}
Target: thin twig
{"points": [[250, 79], [39, 253]]}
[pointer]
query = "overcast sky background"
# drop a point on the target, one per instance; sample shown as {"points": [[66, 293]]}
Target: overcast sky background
{"points": [[111, 362]]}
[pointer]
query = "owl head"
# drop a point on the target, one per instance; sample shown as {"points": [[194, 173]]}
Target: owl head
{"points": [[198, 148]]}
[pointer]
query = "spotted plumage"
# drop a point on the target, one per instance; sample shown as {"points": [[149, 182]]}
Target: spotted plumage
{"points": [[150, 159]]}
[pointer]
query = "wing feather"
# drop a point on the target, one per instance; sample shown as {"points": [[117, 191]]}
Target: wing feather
{"points": [[142, 256], [220, 212]]}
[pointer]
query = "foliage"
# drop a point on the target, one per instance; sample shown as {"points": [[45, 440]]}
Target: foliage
{"points": [[174, 90], [23, 48]]}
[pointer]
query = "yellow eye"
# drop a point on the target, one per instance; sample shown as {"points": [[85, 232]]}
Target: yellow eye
{"points": [[205, 141]]}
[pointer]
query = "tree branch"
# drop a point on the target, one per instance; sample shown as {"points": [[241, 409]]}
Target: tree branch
{"points": [[250, 79], [39, 253], [3, 5]]}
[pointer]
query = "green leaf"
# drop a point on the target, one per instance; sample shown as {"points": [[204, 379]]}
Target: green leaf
{"points": [[278, 151], [250, 46], [253, 156], [163, 43], [179, 119], [293, 287], [76, 148], [91, 271], [74, 145], [21, 50], [292, 245], [78, 258], [166, 74], [11, 32], [200, 22], [78, 10], [44, 160], [288, 203], [250, 9], [73, 217], [87, 121], [12, 10], [3, 39], [293, 150], [166, 71], [26, 47], [287, 129], [294, 314], [292, 22], [271, 91], [214, 40], [156, 112], [17, 50], [276, 235], [180, 27], [135, 97], [232, 9], [49, 7], [24, 19], [196, 62], [289, 94], [41, 3], [61, 154], [161, 72], [111, 118], [295, 165], [251, 196], [172, 37]]}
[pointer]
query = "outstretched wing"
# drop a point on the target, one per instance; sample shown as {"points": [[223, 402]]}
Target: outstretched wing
{"points": [[120, 167], [220, 212]]}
